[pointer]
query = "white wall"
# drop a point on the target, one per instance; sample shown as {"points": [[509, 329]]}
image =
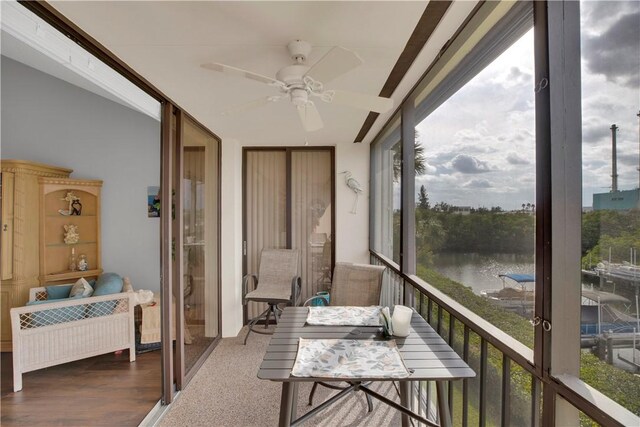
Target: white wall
{"points": [[47, 120], [352, 230], [231, 253]]}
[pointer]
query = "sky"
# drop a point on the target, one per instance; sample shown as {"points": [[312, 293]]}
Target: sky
{"points": [[480, 144]]}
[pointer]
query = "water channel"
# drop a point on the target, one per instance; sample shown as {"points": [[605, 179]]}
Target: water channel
{"points": [[480, 271]]}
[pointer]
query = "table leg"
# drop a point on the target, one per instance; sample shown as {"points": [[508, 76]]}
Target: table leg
{"points": [[294, 401], [443, 405], [286, 400], [405, 388]]}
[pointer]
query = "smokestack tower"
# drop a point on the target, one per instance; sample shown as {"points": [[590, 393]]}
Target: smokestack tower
{"points": [[638, 147], [614, 159]]}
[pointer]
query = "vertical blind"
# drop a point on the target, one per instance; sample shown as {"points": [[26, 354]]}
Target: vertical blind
{"points": [[266, 201], [311, 217]]}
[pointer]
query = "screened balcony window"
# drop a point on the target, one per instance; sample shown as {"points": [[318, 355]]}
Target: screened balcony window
{"points": [[610, 49], [386, 155], [475, 193]]}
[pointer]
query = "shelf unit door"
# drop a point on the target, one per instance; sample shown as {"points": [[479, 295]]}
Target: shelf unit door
{"points": [[7, 225]]}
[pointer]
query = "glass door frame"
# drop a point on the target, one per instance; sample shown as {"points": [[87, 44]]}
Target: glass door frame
{"points": [[176, 257], [288, 152]]}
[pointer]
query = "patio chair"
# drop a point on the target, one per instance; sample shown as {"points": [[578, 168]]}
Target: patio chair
{"points": [[277, 282], [353, 285]]}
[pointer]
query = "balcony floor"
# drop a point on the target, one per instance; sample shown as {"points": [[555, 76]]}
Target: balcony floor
{"points": [[227, 392]]}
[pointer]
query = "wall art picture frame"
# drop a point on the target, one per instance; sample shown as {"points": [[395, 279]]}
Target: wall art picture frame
{"points": [[153, 202]]}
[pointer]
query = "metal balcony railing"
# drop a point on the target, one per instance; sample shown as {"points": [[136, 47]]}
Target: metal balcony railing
{"points": [[507, 390]]}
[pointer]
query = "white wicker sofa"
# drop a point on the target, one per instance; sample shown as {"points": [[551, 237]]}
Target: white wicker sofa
{"points": [[71, 329]]}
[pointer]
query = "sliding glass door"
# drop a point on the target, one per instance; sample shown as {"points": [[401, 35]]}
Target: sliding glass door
{"points": [[200, 270], [289, 203]]}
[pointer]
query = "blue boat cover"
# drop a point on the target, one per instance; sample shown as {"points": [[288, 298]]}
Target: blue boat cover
{"points": [[520, 278]]}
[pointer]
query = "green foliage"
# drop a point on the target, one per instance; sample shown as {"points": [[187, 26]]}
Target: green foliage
{"points": [[419, 159], [619, 385], [482, 231], [423, 199], [516, 326], [601, 230]]}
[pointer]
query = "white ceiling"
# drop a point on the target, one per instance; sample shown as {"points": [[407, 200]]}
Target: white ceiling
{"points": [[26, 54], [167, 41]]}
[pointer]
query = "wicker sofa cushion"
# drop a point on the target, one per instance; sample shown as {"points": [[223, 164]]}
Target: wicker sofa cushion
{"points": [[268, 293], [55, 315], [58, 291]]}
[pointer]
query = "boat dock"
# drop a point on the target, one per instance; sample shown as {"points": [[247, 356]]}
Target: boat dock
{"points": [[606, 345]]}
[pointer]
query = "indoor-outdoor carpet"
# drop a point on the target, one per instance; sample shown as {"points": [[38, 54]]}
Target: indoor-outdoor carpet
{"points": [[227, 392]]}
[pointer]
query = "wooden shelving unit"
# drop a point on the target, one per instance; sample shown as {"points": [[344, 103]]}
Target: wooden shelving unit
{"points": [[20, 235], [54, 252]]}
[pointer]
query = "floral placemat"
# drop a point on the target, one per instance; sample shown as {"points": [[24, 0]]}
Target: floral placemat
{"points": [[344, 316], [336, 358]]}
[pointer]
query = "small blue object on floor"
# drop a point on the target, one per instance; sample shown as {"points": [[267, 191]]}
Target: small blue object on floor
{"points": [[317, 302]]}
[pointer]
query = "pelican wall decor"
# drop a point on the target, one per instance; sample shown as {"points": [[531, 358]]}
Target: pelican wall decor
{"points": [[354, 185]]}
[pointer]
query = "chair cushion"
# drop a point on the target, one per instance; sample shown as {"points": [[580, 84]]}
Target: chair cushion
{"points": [[107, 284], [58, 291], [269, 293], [356, 284], [278, 267], [81, 289]]}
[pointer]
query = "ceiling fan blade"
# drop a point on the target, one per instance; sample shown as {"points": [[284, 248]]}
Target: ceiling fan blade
{"points": [[310, 117], [239, 72], [250, 105], [362, 100], [334, 64]]}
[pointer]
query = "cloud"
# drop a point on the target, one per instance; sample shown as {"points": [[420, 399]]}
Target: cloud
{"points": [[515, 159], [616, 52], [517, 77], [594, 131], [478, 183], [429, 169], [628, 159], [464, 163]]}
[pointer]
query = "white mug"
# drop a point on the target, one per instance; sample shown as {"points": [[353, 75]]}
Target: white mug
{"points": [[401, 320]]}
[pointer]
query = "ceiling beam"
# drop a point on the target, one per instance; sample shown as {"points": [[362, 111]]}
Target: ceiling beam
{"points": [[431, 17]]}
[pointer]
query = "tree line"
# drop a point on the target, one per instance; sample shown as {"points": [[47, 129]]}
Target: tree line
{"points": [[442, 228], [618, 231]]}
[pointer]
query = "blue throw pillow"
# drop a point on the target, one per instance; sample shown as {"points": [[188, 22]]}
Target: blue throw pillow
{"points": [[58, 291], [107, 284], [56, 315]]}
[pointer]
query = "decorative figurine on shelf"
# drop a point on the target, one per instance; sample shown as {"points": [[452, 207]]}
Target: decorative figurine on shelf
{"points": [[83, 265], [76, 207], [70, 198], [71, 235], [73, 266]]}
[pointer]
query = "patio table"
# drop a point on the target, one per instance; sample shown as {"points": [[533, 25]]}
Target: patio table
{"points": [[426, 355]]}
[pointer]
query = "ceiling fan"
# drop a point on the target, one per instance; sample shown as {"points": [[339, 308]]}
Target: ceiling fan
{"points": [[299, 82]]}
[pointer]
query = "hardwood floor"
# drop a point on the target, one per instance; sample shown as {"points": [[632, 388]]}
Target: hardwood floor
{"points": [[102, 390]]}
